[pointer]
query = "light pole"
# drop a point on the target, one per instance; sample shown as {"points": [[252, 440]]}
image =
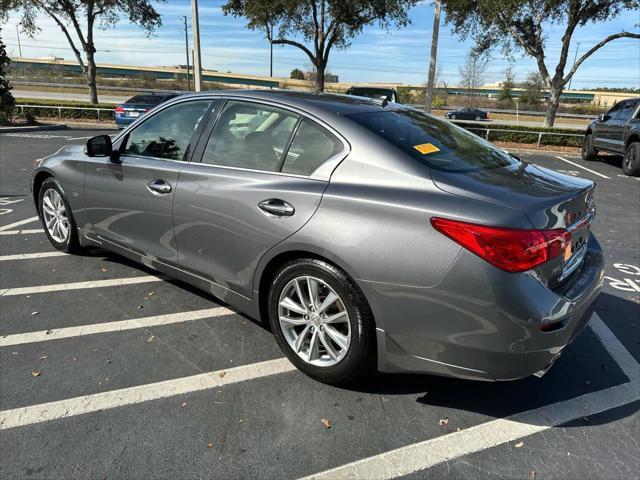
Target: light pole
{"points": [[197, 59], [517, 111], [574, 62], [428, 97], [186, 46], [19, 46]]}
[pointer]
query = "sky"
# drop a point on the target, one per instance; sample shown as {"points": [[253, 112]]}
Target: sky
{"points": [[377, 55]]}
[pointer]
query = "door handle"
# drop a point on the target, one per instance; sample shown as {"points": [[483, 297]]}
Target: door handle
{"points": [[159, 187], [276, 207]]}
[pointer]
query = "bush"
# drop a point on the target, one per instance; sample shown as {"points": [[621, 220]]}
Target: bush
{"points": [[520, 134], [67, 113]]}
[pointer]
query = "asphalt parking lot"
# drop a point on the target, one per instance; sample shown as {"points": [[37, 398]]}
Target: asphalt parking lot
{"points": [[109, 371]]}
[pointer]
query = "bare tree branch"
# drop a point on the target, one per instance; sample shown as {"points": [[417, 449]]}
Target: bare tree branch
{"points": [[596, 47]]}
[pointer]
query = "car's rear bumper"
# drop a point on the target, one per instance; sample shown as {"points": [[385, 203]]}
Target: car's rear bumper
{"points": [[122, 121], [482, 323]]}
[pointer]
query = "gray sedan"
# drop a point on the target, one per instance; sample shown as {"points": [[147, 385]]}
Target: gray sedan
{"points": [[366, 233]]}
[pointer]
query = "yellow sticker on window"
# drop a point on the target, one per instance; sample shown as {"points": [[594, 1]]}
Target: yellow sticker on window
{"points": [[425, 148]]}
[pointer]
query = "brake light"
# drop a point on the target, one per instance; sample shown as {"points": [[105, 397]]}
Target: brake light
{"points": [[119, 109], [513, 250]]}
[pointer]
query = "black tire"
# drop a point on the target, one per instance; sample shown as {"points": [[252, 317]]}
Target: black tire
{"points": [[71, 244], [360, 355], [589, 153], [631, 160]]}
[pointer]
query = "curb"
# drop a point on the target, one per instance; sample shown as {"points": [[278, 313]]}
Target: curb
{"points": [[90, 125], [33, 128]]}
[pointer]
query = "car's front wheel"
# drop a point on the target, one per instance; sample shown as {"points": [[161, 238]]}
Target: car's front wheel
{"points": [[452, 117], [321, 320], [588, 152], [631, 160], [478, 118], [57, 219]]}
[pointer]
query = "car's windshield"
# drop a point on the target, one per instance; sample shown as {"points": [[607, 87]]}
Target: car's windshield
{"points": [[372, 92], [434, 142]]}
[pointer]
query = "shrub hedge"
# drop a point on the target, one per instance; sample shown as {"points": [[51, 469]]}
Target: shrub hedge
{"points": [[512, 133], [66, 113]]}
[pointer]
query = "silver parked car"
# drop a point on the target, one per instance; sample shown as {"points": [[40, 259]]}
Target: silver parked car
{"points": [[366, 233]]}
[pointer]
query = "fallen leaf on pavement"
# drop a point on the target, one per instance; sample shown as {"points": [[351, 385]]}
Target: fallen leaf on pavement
{"points": [[44, 357], [183, 404], [222, 374], [533, 474], [103, 269], [326, 423], [35, 313], [519, 445], [35, 373], [210, 445], [151, 338], [443, 421], [139, 307]]}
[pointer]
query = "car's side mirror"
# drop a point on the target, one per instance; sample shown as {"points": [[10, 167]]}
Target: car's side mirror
{"points": [[99, 146], [603, 117]]}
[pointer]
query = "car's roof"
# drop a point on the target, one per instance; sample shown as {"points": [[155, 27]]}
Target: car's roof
{"points": [[312, 102]]}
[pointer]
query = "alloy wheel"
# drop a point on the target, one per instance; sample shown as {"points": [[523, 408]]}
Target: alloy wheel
{"points": [[314, 321], [55, 216]]}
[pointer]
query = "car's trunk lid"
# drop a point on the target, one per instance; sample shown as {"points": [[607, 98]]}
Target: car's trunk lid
{"points": [[549, 200]]}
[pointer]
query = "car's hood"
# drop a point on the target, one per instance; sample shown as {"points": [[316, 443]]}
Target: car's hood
{"points": [[550, 199]]}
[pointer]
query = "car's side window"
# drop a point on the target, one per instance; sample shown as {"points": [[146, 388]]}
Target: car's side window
{"points": [[615, 110], [627, 111], [167, 134], [250, 135], [312, 145]]}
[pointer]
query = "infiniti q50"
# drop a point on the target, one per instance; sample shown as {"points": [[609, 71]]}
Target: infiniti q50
{"points": [[365, 233]]}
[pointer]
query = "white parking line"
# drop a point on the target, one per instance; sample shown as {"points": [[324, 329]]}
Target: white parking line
{"points": [[31, 256], [107, 327], [79, 285], [422, 455], [17, 224], [582, 167], [22, 232], [20, 417]]}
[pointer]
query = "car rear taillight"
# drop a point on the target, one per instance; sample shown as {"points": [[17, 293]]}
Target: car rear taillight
{"points": [[513, 250], [119, 109]]}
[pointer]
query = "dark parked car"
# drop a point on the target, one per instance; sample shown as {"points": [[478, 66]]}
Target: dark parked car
{"points": [[366, 233], [371, 92], [617, 131], [467, 114], [134, 108]]}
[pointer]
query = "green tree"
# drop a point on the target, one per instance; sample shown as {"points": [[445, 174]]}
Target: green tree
{"points": [[324, 24], [533, 90], [7, 102], [506, 90], [297, 74], [520, 25], [78, 18]]}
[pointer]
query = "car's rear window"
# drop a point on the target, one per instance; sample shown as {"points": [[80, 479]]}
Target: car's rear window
{"points": [[149, 99], [434, 142]]}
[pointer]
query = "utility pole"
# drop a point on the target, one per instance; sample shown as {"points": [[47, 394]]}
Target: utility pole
{"points": [[574, 62], [432, 62], [186, 46], [19, 46], [270, 32], [197, 59]]}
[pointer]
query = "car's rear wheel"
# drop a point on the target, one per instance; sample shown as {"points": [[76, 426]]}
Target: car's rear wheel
{"points": [[321, 320], [631, 160], [57, 218], [588, 152]]}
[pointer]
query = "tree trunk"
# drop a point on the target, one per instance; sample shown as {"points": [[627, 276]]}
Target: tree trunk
{"points": [[90, 75], [320, 69], [554, 102]]}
